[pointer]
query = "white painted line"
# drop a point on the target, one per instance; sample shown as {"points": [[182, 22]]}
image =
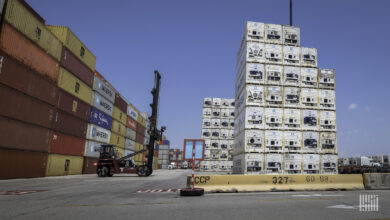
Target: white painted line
{"points": [[342, 207]]}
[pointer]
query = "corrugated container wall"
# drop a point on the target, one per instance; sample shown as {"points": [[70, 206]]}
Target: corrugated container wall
{"points": [[119, 115], [24, 21], [89, 166], [19, 47], [66, 144], [72, 105], [99, 118], [75, 66], [70, 40], [11, 73], [22, 164], [117, 140], [118, 128], [58, 165], [120, 103], [102, 103], [17, 105], [99, 134], [68, 124], [103, 89], [74, 86]]}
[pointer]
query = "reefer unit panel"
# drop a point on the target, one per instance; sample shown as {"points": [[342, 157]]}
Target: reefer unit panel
{"points": [[308, 56], [27, 23], [217, 102], [16, 45], [291, 76], [273, 141], [309, 77], [291, 55], [274, 96], [291, 35], [309, 98], [292, 119], [72, 42], [273, 74], [311, 163], [249, 141], [103, 89], [273, 118], [207, 102], [292, 97], [74, 86], [326, 78], [310, 120], [327, 121], [255, 31], [253, 73], [273, 33], [273, 163], [292, 163], [310, 142], [329, 164], [327, 99], [292, 141], [251, 118], [252, 52], [328, 142], [251, 163], [273, 53]]}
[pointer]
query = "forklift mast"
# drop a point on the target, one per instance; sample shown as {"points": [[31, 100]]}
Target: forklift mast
{"points": [[153, 131]]}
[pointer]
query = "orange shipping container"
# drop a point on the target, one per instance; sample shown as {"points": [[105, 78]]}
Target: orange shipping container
{"points": [[131, 123], [19, 47]]}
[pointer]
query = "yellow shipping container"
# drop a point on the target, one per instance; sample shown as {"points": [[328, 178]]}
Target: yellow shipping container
{"points": [[58, 165], [117, 140], [119, 115], [141, 119], [120, 152], [28, 24], [138, 146], [72, 42], [74, 86], [118, 128]]}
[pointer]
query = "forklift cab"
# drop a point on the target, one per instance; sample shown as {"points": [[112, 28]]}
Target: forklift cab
{"points": [[107, 152]]}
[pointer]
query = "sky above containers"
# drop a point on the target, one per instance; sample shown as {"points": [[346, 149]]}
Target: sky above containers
{"points": [[194, 44]]}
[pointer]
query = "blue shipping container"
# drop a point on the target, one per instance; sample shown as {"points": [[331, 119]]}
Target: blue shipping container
{"points": [[99, 118]]}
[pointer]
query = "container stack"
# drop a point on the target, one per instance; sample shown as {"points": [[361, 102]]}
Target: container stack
{"points": [[285, 105], [163, 154], [218, 133], [56, 108], [176, 156]]}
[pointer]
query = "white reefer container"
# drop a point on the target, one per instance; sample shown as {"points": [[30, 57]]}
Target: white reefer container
{"points": [[207, 143], [273, 74], [225, 112], [214, 154], [292, 97], [250, 118], [326, 78], [205, 165], [206, 112], [255, 31], [98, 134], [309, 98], [251, 52], [225, 123], [223, 155], [249, 141], [206, 123], [273, 141], [231, 123], [327, 99], [206, 133], [254, 95], [292, 163], [224, 166], [274, 96], [308, 56], [225, 103], [230, 164], [217, 102], [216, 112], [327, 121], [273, 53], [273, 163], [224, 144], [215, 133], [214, 144], [207, 154], [273, 118], [214, 165], [215, 123], [329, 164], [328, 142], [310, 142], [231, 134], [309, 77], [252, 74], [224, 133], [292, 141], [273, 33], [291, 55], [231, 144], [207, 102], [311, 163], [232, 112], [291, 76], [292, 119], [251, 163], [291, 35], [310, 120]]}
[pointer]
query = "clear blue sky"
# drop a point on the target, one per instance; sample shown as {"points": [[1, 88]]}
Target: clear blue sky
{"points": [[194, 43]]}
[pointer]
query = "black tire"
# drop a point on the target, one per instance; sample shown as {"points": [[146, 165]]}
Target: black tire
{"points": [[99, 173], [192, 192], [105, 171], [142, 171]]}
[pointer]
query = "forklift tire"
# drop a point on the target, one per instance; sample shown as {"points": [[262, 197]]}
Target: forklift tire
{"points": [[192, 192], [142, 171], [99, 173], [105, 171]]}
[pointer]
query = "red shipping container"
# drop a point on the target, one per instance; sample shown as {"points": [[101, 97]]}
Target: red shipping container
{"points": [[72, 105], [120, 103], [90, 165], [66, 144], [22, 164], [22, 78], [131, 123], [69, 124], [16, 45], [23, 136], [75, 66], [140, 138], [17, 105], [140, 129]]}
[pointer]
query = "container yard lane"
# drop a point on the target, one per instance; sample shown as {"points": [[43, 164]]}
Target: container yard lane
{"points": [[133, 197]]}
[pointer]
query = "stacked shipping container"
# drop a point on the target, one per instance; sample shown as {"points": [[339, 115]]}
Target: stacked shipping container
{"points": [[163, 154], [55, 111], [285, 105], [218, 133]]}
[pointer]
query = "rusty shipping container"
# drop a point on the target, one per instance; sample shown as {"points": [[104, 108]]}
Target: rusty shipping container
{"points": [[72, 105], [19, 47], [66, 144], [17, 105], [140, 130], [69, 124], [131, 123], [90, 165], [75, 66], [139, 138], [120, 103], [23, 136], [22, 164], [18, 76]]}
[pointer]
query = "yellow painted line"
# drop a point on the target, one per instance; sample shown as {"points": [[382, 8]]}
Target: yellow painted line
{"points": [[120, 204]]}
